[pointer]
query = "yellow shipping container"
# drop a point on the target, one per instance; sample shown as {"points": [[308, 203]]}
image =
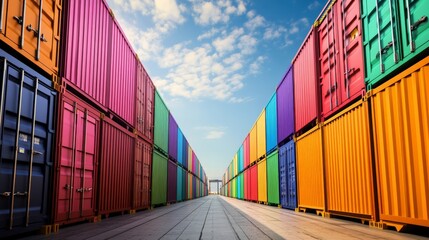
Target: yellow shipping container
{"points": [[309, 168], [235, 165], [348, 163], [401, 139], [262, 181], [253, 139], [189, 158], [260, 126]]}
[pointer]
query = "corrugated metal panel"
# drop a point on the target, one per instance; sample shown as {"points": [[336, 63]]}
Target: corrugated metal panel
{"points": [[287, 175], [78, 137], [246, 151], [144, 104], [305, 82], [242, 186], [262, 180], [261, 142], [179, 146], [142, 178], [159, 178], [179, 184], [116, 172], [161, 124], [184, 184], [172, 137], [40, 47], [240, 159], [309, 165], [285, 107], [190, 186], [27, 126], [239, 187], [271, 123], [123, 75], [254, 183], [235, 164], [171, 182], [194, 162], [273, 178], [88, 72], [401, 139], [253, 145], [348, 164], [185, 153], [194, 187], [150, 108], [246, 178]]}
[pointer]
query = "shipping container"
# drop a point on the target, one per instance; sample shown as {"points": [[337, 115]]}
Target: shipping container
{"points": [[253, 155], [400, 130], [190, 186], [142, 174], [122, 68], [161, 124], [262, 180], [285, 107], [241, 186], [194, 162], [159, 178], [246, 180], [172, 137], [116, 168], [271, 124], [287, 175], [27, 125], [190, 156], [253, 183], [235, 164], [246, 151], [78, 139], [273, 189], [194, 187], [144, 104], [172, 182], [234, 188], [348, 163], [396, 34], [305, 83], [33, 29], [85, 47], [185, 153], [184, 184], [261, 142], [240, 159], [340, 56], [179, 147], [309, 165]]}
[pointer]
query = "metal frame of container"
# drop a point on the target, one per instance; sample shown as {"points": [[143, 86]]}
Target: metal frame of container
{"points": [[142, 174]]}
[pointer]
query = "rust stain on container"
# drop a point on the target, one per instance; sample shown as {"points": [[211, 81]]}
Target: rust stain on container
{"points": [[401, 138]]}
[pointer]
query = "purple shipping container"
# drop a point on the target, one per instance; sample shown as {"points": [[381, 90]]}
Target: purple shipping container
{"points": [[285, 107], [85, 47], [185, 153], [123, 75], [172, 137], [172, 182]]}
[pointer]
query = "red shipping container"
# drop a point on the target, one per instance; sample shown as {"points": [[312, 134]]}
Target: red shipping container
{"points": [[123, 75], [253, 183], [246, 151], [116, 168], [306, 82], [85, 47], [142, 174], [246, 184], [145, 93], [340, 56], [77, 154]]}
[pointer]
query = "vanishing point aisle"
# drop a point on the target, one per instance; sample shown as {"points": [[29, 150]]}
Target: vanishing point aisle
{"points": [[217, 217]]}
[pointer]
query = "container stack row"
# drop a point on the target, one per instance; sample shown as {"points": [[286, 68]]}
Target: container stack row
{"points": [[84, 133], [346, 132]]}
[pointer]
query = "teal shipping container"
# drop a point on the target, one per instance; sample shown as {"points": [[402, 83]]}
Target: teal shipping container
{"points": [[240, 156], [271, 124], [239, 186], [179, 147], [161, 124], [179, 183]]}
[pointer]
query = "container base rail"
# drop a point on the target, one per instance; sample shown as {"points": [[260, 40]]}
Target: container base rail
{"points": [[307, 127], [318, 212], [385, 225]]}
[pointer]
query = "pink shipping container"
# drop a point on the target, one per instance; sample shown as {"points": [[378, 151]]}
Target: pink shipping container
{"points": [[116, 168], [340, 56], [194, 162], [142, 174], [123, 75], [306, 82], [85, 48], [145, 93], [77, 154]]}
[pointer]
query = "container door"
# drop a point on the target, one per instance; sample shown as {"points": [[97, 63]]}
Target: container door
{"points": [[141, 99], [79, 142], [27, 129], [330, 78], [291, 176], [33, 25], [150, 94], [283, 181], [142, 167], [382, 47], [415, 24]]}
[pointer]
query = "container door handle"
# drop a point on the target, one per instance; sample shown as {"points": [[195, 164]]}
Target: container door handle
{"points": [[417, 24], [80, 190], [5, 194], [20, 194], [18, 19], [386, 48], [88, 189], [37, 153]]}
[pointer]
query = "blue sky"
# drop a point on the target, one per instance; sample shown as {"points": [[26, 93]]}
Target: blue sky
{"points": [[216, 63]]}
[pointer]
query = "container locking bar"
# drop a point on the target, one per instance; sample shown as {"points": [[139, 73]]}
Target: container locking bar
{"points": [[395, 56], [417, 24], [21, 20]]}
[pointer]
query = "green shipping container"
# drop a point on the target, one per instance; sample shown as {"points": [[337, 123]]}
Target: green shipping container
{"points": [[242, 185], [234, 188], [394, 32], [273, 177], [161, 124], [159, 178]]}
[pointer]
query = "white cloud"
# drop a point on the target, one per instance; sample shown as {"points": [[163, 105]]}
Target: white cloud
{"points": [[215, 134], [240, 99], [208, 34], [256, 65], [313, 5], [227, 43], [255, 22], [213, 12], [247, 44], [296, 26], [273, 32], [251, 14]]}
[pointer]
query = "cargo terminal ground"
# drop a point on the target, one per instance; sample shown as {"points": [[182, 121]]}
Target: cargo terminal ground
{"points": [[218, 217]]}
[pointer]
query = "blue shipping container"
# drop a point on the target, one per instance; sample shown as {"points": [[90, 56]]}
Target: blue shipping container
{"points": [[271, 124], [27, 124], [180, 146], [240, 159], [287, 175]]}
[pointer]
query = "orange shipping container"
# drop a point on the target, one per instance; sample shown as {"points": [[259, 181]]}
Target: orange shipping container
{"points": [[253, 140], [309, 167], [33, 29], [401, 139], [261, 143], [262, 181], [348, 165]]}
